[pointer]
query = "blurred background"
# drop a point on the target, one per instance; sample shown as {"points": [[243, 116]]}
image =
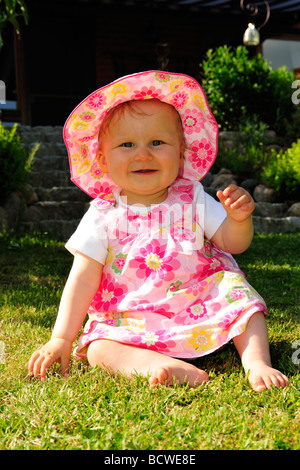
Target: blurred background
{"points": [[68, 48]]}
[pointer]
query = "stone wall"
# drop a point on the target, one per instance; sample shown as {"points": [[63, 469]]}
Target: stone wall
{"points": [[269, 216], [51, 203]]}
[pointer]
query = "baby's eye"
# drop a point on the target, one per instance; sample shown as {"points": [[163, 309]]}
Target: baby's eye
{"points": [[127, 144], [155, 143]]}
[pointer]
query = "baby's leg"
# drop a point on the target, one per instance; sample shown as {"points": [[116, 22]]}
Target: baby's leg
{"points": [[253, 347], [129, 360]]}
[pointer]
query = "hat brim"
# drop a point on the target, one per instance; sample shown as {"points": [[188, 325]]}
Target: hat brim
{"points": [[179, 90]]}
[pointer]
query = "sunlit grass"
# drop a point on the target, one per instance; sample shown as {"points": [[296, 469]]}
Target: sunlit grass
{"points": [[94, 410]]}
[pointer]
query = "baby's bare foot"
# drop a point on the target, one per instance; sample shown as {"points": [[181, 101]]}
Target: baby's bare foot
{"points": [[130, 360], [262, 376], [178, 372]]}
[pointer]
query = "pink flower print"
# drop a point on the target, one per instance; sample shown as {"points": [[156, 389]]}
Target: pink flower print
{"points": [[181, 231], [194, 291], [180, 99], [109, 295], [158, 216], [153, 262], [193, 121], [87, 117], [192, 314], [208, 248], [229, 319], [100, 188], [96, 172], [156, 340], [105, 200], [87, 139], [113, 322], [237, 294], [202, 154], [96, 101], [119, 263], [147, 93], [174, 287], [197, 310], [84, 150], [162, 77], [183, 188], [191, 84], [146, 306], [208, 267]]}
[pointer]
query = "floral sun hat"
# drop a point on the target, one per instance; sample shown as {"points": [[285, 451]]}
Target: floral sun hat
{"points": [[181, 91]]}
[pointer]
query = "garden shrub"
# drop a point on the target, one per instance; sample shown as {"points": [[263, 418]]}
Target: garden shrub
{"points": [[282, 172], [14, 162], [236, 84], [248, 152]]}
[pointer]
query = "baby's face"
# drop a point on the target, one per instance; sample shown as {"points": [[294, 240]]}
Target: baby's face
{"points": [[143, 151]]}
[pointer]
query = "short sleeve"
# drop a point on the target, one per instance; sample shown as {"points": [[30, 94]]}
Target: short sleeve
{"points": [[211, 213], [90, 237]]}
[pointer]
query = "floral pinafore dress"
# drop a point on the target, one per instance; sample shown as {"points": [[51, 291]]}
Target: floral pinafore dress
{"points": [[164, 286]]}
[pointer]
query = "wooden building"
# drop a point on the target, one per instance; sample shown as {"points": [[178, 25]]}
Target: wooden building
{"points": [[71, 47]]}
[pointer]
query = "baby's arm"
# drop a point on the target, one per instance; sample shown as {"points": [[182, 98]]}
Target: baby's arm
{"points": [[79, 291], [236, 232]]}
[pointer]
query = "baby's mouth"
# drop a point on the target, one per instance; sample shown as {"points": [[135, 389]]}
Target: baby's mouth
{"points": [[144, 171]]}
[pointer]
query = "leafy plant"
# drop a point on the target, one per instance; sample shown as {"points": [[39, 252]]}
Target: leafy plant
{"points": [[283, 171], [247, 153], [14, 162], [10, 10], [236, 83]]}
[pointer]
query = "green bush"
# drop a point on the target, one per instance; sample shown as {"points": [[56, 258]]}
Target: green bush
{"points": [[14, 162], [236, 85], [282, 173], [247, 153]]}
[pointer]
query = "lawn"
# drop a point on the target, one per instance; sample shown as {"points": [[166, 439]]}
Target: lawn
{"points": [[94, 410]]}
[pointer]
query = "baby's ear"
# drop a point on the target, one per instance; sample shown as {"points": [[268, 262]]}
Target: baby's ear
{"points": [[102, 161]]}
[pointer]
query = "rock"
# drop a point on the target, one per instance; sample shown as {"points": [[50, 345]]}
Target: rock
{"points": [[32, 214], [249, 184], [3, 219], [29, 194], [13, 208], [263, 193], [275, 147], [221, 181], [267, 209], [228, 136], [276, 225], [270, 136], [294, 210], [224, 171]]}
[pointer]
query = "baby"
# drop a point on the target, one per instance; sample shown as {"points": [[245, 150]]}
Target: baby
{"points": [[152, 255]]}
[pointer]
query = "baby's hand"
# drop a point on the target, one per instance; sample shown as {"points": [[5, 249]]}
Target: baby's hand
{"points": [[56, 350], [237, 202]]}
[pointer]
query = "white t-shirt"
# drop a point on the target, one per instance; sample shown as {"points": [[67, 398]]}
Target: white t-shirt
{"points": [[90, 236]]}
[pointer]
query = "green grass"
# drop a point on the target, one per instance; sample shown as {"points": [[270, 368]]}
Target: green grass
{"points": [[94, 410]]}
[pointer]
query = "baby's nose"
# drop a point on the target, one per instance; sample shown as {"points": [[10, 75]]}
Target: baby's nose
{"points": [[143, 154]]}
